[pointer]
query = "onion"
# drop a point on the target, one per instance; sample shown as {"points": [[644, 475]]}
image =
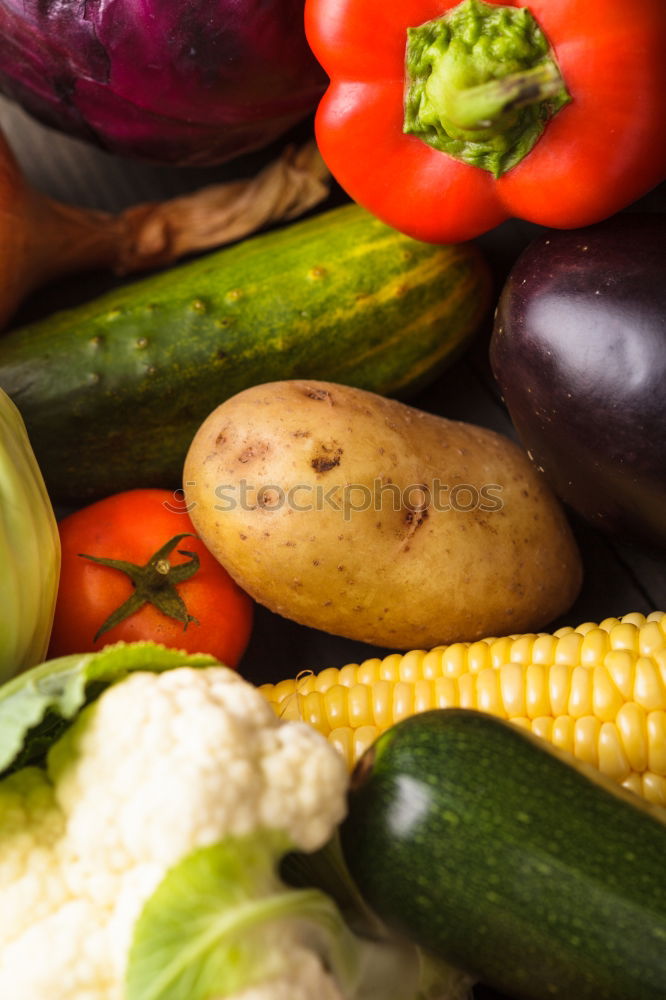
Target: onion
{"points": [[189, 82], [42, 239]]}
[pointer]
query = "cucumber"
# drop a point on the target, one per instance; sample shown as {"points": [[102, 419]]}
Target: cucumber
{"points": [[113, 391], [485, 846]]}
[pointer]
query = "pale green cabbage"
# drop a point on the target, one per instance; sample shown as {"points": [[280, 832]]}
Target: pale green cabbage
{"points": [[29, 549]]}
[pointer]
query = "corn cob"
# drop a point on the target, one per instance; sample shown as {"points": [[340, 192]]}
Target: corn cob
{"points": [[597, 691]]}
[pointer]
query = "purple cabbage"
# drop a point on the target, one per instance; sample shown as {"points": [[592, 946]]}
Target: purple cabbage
{"points": [[188, 82]]}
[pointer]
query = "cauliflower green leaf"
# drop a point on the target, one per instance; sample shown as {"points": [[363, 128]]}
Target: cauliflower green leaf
{"points": [[222, 921], [37, 706]]}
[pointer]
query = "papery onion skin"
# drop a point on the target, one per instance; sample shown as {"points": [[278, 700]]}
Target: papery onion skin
{"points": [[190, 83]]}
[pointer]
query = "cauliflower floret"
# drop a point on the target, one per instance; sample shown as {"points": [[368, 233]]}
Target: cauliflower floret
{"points": [[161, 764]]}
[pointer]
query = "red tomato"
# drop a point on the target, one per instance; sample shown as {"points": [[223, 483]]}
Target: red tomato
{"points": [[132, 527]]}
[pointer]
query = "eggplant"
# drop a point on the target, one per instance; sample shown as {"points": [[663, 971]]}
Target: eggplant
{"points": [[578, 350]]}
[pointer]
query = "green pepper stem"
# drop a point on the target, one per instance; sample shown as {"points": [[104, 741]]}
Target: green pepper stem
{"points": [[479, 107], [481, 84]]}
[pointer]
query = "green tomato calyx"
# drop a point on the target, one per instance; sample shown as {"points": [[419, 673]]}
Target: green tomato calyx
{"points": [[154, 583]]}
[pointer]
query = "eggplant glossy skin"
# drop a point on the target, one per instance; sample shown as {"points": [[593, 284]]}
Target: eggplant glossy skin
{"points": [[579, 352]]}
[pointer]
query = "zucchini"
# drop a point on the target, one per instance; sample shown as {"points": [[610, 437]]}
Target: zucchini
{"points": [[113, 391], [485, 846]]}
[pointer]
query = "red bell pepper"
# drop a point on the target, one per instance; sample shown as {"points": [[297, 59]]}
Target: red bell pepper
{"points": [[546, 110]]}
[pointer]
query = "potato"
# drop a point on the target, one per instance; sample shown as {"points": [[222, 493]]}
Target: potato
{"points": [[367, 518]]}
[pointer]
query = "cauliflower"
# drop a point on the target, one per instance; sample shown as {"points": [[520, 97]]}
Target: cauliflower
{"points": [[139, 848], [160, 765]]}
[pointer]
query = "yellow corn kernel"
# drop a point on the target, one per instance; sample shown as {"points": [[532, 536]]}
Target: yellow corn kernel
{"points": [[594, 647], [454, 659], [305, 682], [359, 709], [621, 666], [282, 690], [559, 685], [656, 734], [568, 649], [446, 692], [432, 663], [564, 733], [634, 618], [347, 675], [488, 693], [543, 649], [613, 761], [653, 788], [467, 691], [424, 695], [403, 700], [512, 688], [651, 638], [290, 707], [390, 667], [543, 727], [585, 628], [536, 694], [608, 624], [363, 737], [632, 725], [382, 704], [324, 680], [312, 709], [478, 657], [659, 617], [624, 636], [633, 783], [369, 671], [343, 741], [411, 665], [586, 739], [659, 658], [606, 699], [522, 649], [580, 695], [648, 686], [597, 692], [335, 704], [500, 651]]}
